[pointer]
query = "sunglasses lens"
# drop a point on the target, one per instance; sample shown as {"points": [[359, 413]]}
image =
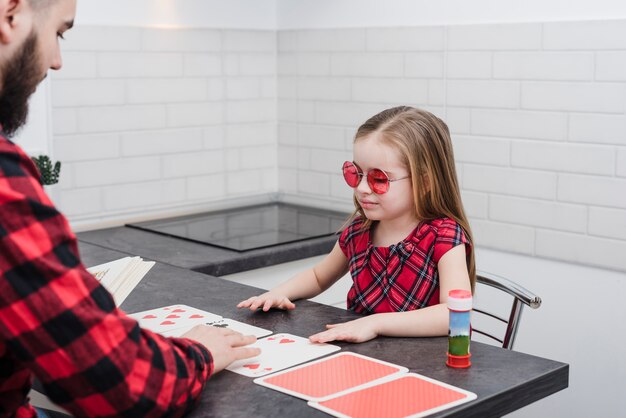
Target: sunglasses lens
{"points": [[351, 174], [378, 181]]}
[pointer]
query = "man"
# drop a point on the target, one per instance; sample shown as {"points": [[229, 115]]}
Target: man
{"points": [[57, 323]]}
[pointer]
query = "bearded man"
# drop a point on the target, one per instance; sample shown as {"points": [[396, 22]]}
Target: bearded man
{"points": [[57, 323]]}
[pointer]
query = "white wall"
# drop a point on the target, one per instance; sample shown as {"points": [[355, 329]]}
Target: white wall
{"points": [[163, 121], [300, 14], [233, 14], [536, 111]]}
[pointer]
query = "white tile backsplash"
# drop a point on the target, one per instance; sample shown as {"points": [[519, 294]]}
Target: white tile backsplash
{"points": [[182, 40], [392, 90], [483, 93], [606, 222], [594, 190], [428, 38], [560, 66], [424, 65], [519, 124], [510, 181], [78, 93], [597, 128], [568, 158], [140, 64], [367, 64], [162, 142], [590, 35], [574, 97], [469, 65], [537, 113], [494, 37]]}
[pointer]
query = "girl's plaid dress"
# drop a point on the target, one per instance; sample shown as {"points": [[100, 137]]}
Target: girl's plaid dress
{"points": [[404, 276]]}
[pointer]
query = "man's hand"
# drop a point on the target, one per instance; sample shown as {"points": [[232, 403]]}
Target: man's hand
{"points": [[225, 345]]}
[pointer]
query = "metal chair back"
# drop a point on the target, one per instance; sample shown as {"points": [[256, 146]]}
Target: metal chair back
{"points": [[520, 297]]}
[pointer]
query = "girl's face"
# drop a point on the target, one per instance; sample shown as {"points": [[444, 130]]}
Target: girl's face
{"points": [[397, 203]]}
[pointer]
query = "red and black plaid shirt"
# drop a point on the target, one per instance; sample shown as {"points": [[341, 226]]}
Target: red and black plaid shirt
{"points": [[402, 277], [57, 323]]}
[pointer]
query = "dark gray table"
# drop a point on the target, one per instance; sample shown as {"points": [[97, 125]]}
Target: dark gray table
{"points": [[503, 380], [200, 257]]}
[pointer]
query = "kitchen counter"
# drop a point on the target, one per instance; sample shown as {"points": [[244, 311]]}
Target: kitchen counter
{"points": [[201, 257]]}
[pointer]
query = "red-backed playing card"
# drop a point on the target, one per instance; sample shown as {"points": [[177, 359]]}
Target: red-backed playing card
{"points": [[409, 395], [330, 376]]}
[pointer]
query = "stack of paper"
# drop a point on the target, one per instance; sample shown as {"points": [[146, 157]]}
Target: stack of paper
{"points": [[121, 276]]}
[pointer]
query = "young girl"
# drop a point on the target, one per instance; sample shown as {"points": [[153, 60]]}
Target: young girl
{"points": [[409, 242]]}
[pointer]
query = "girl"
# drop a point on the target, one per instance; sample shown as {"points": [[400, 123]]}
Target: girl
{"points": [[409, 241]]}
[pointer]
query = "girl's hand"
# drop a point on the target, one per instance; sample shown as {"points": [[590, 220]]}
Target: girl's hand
{"points": [[357, 331], [266, 301]]}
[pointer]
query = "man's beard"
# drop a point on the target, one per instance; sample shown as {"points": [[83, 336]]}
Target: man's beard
{"points": [[20, 77]]}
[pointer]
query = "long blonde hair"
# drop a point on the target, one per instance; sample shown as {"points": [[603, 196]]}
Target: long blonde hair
{"points": [[426, 150]]}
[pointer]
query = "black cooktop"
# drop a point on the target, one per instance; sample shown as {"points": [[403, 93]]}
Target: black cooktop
{"points": [[250, 227]]}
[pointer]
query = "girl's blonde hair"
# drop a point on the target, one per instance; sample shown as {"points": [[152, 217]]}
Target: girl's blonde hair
{"points": [[426, 150]]}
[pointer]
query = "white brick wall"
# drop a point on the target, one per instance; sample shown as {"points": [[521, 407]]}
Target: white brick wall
{"points": [[153, 120], [536, 110]]}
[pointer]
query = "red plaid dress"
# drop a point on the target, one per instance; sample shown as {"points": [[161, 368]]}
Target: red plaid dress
{"points": [[402, 277], [59, 324]]}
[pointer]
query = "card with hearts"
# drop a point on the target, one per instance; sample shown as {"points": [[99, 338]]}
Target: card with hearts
{"points": [[330, 376], [279, 352], [240, 327], [168, 318]]}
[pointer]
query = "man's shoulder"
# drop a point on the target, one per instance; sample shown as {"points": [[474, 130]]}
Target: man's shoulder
{"points": [[9, 148]]}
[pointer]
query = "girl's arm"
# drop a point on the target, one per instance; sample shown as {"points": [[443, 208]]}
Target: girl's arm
{"points": [[425, 322], [304, 285]]}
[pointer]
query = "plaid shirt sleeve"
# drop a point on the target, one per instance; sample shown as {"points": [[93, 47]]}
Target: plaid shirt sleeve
{"points": [[57, 323]]}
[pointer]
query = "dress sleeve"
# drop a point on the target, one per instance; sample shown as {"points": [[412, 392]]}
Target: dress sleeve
{"points": [[346, 239], [449, 235], [57, 320]]}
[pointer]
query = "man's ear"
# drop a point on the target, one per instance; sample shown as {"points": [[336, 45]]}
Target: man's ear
{"points": [[10, 16]]}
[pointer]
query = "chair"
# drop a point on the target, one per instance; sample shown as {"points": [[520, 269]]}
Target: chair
{"points": [[483, 310]]}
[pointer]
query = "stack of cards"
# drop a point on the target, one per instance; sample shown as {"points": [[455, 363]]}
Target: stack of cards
{"points": [[175, 320], [352, 385], [121, 276]]}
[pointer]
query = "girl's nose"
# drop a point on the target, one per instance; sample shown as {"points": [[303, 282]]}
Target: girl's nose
{"points": [[363, 187]]}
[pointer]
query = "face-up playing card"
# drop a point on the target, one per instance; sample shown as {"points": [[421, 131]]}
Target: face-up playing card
{"points": [[168, 318], [409, 395], [237, 326], [330, 376], [240, 327], [279, 352]]}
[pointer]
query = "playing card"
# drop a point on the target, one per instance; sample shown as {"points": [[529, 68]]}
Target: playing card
{"points": [[240, 327], [237, 326], [279, 352], [330, 376], [168, 318], [409, 395]]}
